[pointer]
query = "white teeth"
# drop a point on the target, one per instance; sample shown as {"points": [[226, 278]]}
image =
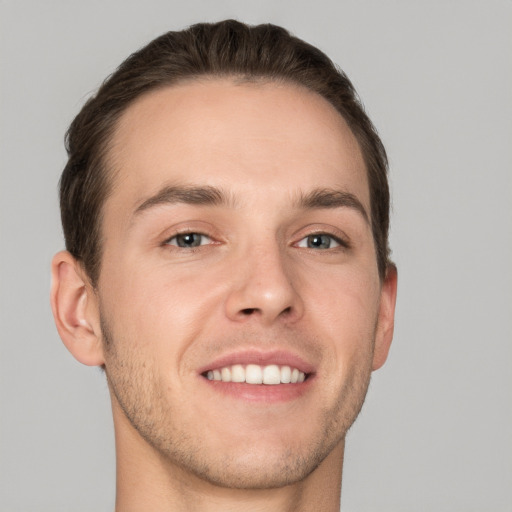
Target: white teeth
{"points": [[271, 374], [286, 374], [225, 373], [253, 374], [237, 373]]}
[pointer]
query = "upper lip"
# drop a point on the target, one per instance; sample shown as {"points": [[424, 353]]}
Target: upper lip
{"points": [[262, 358]]}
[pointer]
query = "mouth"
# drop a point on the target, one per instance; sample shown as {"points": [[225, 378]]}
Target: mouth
{"points": [[270, 375], [255, 376]]}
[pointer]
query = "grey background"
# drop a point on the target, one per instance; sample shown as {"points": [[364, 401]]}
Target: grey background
{"points": [[436, 79]]}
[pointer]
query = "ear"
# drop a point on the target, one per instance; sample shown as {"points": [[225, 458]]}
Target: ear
{"points": [[75, 310], [386, 320]]}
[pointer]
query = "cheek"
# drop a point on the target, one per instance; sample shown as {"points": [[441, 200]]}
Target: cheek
{"points": [[345, 308], [161, 309]]}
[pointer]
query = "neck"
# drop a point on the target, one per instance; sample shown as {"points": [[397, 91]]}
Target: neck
{"points": [[146, 480]]}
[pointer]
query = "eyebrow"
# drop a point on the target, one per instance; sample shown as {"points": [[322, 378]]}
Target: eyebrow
{"points": [[331, 198], [318, 198], [202, 196]]}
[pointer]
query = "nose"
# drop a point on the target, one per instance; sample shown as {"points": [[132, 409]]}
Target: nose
{"points": [[264, 289]]}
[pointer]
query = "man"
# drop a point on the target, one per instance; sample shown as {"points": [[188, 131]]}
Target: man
{"points": [[225, 210]]}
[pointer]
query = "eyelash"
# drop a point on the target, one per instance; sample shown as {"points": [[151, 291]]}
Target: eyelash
{"points": [[340, 243], [185, 234]]}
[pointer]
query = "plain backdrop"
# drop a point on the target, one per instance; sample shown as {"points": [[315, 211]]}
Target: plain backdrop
{"points": [[436, 78]]}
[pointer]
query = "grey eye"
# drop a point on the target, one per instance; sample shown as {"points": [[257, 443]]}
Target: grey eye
{"points": [[188, 240], [319, 241]]}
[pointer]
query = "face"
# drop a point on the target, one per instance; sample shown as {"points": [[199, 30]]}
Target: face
{"points": [[240, 300]]}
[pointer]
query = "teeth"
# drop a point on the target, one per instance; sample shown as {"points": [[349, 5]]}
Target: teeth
{"points": [[237, 373], [226, 374], [253, 374], [271, 374], [286, 374]]}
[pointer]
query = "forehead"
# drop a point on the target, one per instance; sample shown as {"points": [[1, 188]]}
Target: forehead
{"points": [[243, 137]]}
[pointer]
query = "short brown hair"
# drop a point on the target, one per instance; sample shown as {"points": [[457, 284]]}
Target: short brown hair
{"points": [[224, 49]]}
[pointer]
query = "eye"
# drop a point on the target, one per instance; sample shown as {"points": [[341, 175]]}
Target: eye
{"points": [[189, 240], [320, 241]]}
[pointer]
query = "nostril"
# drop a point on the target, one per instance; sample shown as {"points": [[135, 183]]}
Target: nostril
{"points": [[250, 311]]}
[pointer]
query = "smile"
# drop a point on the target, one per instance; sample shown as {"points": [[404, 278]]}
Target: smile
{"points": [[271, 374]]}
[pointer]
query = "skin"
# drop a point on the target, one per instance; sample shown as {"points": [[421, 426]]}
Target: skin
{"points": [[161, 312]]}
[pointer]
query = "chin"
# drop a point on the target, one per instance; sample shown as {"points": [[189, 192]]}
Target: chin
{"points": [[253, 471]]}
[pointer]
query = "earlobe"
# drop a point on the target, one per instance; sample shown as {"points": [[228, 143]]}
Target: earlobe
{"points": [[386, 320], [75, 310]]}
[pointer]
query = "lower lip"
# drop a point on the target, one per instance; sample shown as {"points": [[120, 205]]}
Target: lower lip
{"points": [[261, 392]]}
